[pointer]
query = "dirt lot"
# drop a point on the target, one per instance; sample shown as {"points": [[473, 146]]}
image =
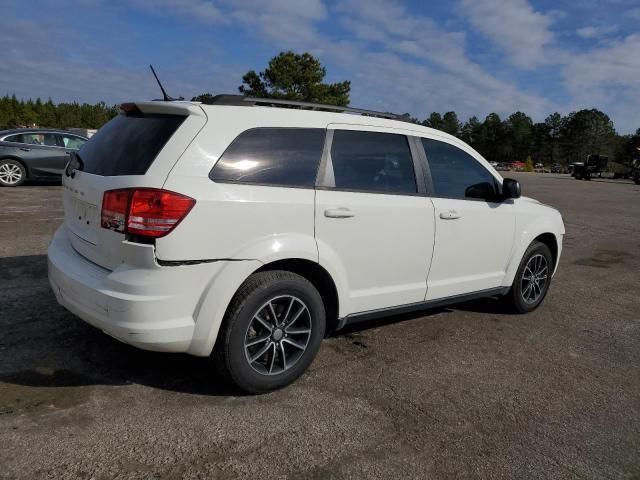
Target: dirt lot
{"points": [[467, 392]]}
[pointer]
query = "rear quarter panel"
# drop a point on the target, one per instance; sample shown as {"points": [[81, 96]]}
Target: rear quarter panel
{"points": [[238, 221]]}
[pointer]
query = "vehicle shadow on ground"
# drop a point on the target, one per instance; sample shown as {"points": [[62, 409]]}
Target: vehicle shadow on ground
{"points": [[43, 345]]}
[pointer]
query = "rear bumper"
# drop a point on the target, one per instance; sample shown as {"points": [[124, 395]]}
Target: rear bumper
{"points": [[150, 308]]}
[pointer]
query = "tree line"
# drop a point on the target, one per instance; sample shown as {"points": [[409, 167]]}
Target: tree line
{"points": [[27, 113], [558, 139]]}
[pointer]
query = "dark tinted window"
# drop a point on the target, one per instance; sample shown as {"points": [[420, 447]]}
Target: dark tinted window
{"points": [[453, 170], [43, 139], [272, 156], [128, 145], [14, 138], [371, 161]]}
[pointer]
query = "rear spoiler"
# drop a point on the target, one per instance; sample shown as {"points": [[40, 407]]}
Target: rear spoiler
{"points": [[168, 108]]}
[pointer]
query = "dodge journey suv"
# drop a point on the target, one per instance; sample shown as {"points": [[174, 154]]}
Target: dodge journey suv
{"points": [[248, 229]]}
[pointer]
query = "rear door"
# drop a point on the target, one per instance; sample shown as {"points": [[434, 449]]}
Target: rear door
{"points": [[11, 146], [137, 148], [43, 152], [474, 236], [374, 222]]}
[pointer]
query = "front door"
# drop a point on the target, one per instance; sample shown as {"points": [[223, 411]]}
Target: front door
{"points": [[474, 236], [374, 227]]}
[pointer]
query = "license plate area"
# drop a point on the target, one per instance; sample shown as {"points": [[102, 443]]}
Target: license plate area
{"points": [[84, 213], [82, 218]]}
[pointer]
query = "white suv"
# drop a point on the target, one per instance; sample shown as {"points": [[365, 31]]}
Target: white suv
{"points": [[247, 231]]}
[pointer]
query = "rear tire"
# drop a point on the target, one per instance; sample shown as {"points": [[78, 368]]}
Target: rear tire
{"points": [[259, 352], [12, 173], [529, 288]]}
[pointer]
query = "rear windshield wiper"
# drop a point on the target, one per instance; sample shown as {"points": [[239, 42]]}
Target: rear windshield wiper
{"points": [[74, 164]]}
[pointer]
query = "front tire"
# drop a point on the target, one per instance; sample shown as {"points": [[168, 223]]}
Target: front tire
{"points": [[271, 332], [532, 279], [12, 173]]}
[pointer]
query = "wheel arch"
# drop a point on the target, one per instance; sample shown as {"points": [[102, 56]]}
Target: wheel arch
{"points": [[321, 280], [544, 233], [20, 161], [550, 240], [230, 277]]}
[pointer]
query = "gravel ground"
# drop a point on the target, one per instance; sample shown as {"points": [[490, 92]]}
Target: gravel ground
{"points": [[468, 391]]}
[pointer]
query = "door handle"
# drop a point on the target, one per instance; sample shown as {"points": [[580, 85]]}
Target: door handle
{"points": [[24, 149], [67, 153], [341, 212], [450, 215]]}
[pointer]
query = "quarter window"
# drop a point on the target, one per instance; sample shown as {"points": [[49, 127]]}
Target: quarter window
{"points": [[453, 171], [272, 156], [372, 161], [14, 138]]}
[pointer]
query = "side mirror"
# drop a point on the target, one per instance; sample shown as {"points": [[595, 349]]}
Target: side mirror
{"points": [[511, 188], [483, 191]]}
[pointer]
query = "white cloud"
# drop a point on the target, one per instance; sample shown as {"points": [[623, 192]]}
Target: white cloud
{"points": [[97, 74], [608, 77], [514, 26], [634, 14], [616, 65], [290, 20], [303, 9], [289, 23], [203, 10], [438, 73], [592, 32], [397, 59]]}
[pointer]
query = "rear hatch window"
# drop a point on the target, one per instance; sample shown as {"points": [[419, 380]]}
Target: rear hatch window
{"points": [[128, 144]]}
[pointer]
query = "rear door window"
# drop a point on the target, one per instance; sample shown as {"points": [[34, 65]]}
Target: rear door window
{"points": [[42, 139], [286, 157], [128, 144], [372, 162]]}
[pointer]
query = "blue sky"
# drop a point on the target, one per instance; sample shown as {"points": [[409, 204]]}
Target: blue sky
{"points": [[470, 56]]}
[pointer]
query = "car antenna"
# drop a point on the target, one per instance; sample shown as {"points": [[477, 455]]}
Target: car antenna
{"points": [[165, 97]]}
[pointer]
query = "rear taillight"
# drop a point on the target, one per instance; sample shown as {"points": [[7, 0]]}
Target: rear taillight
{"points": [[115, 205], [147, 212]]}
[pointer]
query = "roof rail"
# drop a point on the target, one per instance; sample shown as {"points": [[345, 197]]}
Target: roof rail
{"points": [[240, 100]]}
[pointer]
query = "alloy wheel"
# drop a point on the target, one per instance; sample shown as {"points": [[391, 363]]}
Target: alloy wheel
{"points": [[534, 278], [278, 335], [10, 174]]}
